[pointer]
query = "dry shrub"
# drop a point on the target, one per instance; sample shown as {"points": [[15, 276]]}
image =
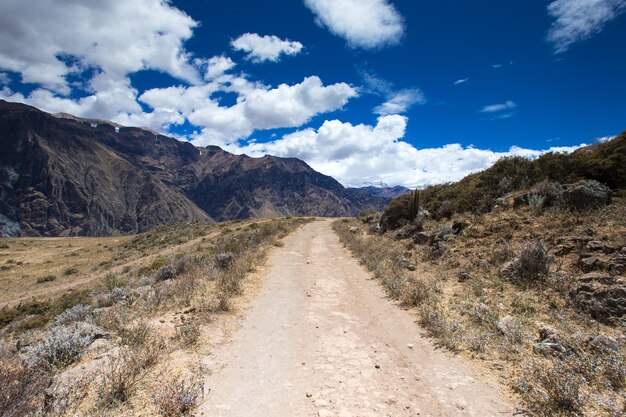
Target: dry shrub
{"points": [[420, 291], [61, 345], [533, 265], [22, 387], [119, 378], [188, 334], [446, 330], [178, 396], [552, 389], [79, 312]]}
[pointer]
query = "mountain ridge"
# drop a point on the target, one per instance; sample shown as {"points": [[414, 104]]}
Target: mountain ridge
{"points": [[71, 176]]}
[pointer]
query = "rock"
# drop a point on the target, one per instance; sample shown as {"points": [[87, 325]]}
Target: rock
{"points": [[408, 265], [601, 295], [589, 264], [596, 246], [508, 326], [548, 348], [563, 249], [353, 229], [421, 238], [586, 194], [463, 276], [405, 233], [520, 201], [605, 343], [548, 334], [442, 234], [410, 346], [458, 226]]}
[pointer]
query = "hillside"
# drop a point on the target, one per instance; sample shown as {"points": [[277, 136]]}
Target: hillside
{"points": [[602, 162], [61, 175]]}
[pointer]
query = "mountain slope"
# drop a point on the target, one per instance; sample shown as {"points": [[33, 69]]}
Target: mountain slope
{"points": [[61, 175]]}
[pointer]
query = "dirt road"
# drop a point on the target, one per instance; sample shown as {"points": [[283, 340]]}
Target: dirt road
{"points": [[322, 339]]}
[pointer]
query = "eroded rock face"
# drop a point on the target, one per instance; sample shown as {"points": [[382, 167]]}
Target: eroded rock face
{"points": [[601, 295], [65, 176]]}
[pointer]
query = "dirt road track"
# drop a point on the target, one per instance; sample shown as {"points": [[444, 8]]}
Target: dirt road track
{"points": [[321, 339]]}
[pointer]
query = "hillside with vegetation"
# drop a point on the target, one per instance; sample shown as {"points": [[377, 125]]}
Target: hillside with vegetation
{"points": [[520, 268]]}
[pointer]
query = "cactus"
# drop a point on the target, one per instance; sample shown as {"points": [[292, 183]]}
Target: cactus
{"points": [[414, 205]]}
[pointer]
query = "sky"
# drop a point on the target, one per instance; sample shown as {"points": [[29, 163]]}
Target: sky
{"points": [[400, 92]]}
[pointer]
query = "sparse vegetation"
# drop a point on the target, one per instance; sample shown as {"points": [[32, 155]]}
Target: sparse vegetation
{"points": [[126, 311], [503, 290], [178, 396]]}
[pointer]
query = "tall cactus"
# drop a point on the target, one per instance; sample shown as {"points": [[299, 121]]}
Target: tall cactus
{"points": [[414, 205]]}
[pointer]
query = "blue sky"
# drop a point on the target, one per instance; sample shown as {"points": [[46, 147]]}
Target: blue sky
{"points": [[398, 91]]}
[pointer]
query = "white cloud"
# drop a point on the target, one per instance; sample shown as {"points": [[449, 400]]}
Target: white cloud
{"points": [[366, 24], [258, 107], [400, 101], [46, 42], [4, 78], [494, 108], [265, 48], [578, 20], [396, 101], [218, 66], [461, 81], [356, 154]]}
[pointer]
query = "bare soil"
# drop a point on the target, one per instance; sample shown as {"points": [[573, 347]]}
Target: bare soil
{"points": [[322, 339]]}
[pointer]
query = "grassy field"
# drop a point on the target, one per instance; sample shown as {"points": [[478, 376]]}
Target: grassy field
{"points": [[123, 333]]}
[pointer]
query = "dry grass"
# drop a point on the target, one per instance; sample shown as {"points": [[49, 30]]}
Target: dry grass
{"points": [[521, 264], [151, 310]]}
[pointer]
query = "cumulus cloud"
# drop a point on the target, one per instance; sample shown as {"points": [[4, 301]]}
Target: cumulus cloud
{"points": [[577, 20], [366, 24], [265, 48], [48, 41], [258, 107], [218, 66], [357, 154], [494, 108]]}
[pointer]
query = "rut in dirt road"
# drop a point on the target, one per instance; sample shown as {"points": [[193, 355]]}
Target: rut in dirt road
{"points": [[322, 339]]}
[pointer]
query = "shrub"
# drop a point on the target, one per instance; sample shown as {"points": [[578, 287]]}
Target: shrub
{"points": [[165, 273], [112, 281], [178, 396], [533, 264], [46, 278], [419, 291], [79, 312], [224, 260], [188, 334], [554, 389], [61, 345], [22, 387], [70, 271], [535, 202], [446, 330]]}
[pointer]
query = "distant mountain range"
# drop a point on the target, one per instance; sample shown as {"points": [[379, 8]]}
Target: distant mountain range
{"points": [[62, 175], [382, 190]]}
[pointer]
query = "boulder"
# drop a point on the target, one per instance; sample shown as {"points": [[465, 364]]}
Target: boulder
{"points": [[601, 295], [353, 229], [596, 246], [508, 326], [605, 343], [586, 194], [421, 238]]}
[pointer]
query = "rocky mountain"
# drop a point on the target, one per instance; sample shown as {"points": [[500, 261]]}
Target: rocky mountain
{"points": [[383, 191], [62, 175]]}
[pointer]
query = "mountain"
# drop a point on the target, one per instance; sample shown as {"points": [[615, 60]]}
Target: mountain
{"points": [[62, 175], [383, 190]]}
